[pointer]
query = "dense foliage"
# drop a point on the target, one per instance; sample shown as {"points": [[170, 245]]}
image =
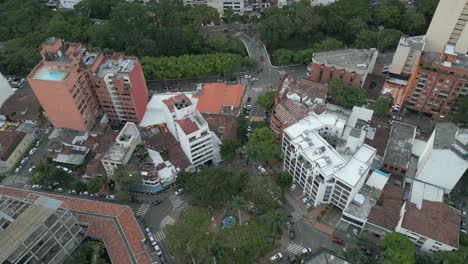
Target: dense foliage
{"points": [[459, 114], [164, 29], [346, 96], [382, 106], [89, 252], [294, 31], [267, 100], [261, 146]]}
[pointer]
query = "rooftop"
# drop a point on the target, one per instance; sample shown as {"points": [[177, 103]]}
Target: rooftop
{"points": [[223, 125], [170, 149], [380, 142], [289, 111], [386, 211], [415, 42], [116, 65], [113, 223], [400, 143], [444, 135], [302, 91], [423, 191], [360, 117], [356, 59], [9, 140], [434, 220], [22, 105], [178, 101], [217, 98], [325, 256], [116, 153], [461, 61], [363, 202], [357, 166]]}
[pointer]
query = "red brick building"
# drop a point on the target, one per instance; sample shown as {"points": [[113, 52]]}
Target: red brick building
{"points": [[439, 78], [349, 65]]}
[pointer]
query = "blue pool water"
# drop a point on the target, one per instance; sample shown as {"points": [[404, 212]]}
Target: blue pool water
{"points": [[51, 76]]}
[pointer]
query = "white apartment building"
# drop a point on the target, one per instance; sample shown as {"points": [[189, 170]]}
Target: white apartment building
{"points": [[178, 113], [325, 175], [122, 149], [69, 4], [5, 90], [407, 55], [238, 6], [448, 26]]}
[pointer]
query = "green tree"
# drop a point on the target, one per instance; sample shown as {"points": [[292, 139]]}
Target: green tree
{"points": [[388, 16], [413, 23], [382, 106], [328, 44], [276, 221], [397, 249], [241, 131], [283, 179], [346, 97], [95, 184], [238, 203], [89, 252], [261, 146], [126, 179], [267, 100], [275, 30], [366, 39], [459, 113], [99, 9], [80, 186], [228, 149], [262, 194], [427, 8]]}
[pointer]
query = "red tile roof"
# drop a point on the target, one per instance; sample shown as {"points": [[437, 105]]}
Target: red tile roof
{"points": [[131, 237], [386, 211], [166, 143], [9, 140], [187, 125], [215, 96], [434, 220], [169, 102], [289, 112], [225, 125], [22, 105]]}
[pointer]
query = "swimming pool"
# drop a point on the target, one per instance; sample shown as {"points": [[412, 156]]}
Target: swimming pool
{"points": [[51, 76]]}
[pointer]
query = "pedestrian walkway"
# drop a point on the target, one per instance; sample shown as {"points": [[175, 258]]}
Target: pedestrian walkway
{"points": [[143, 209], [294, 248], [175, 200], [296, 216], [159, 236], [9, 181]]}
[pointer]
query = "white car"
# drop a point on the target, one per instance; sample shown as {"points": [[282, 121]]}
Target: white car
{"points": [[277, 256], [293, 187], [152, 240], [179, 191], [306, 250], [148, 231], [254, 79], [305, 200], [110, 197], [23, 161], [261, 169], [32, 151], [247, 76], [17, 170], [35, 186], [308, 205], [38, 143], [158, 250], [59, 190]]}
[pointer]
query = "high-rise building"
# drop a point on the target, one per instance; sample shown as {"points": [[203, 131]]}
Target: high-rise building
{"points": [[37, 231], [121, 89], [5, 90], [448, 26], [62, 85], [76, 88]]}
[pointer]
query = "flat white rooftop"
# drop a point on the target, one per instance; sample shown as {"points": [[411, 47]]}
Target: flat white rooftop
{"points": [[357, 166]]}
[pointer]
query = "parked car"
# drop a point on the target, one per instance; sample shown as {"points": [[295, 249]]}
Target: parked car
{"points": [[292, 234], [47, 131], [308, 205], [305, 200], [254, 79], [158, 250], [31, 170], [338, 241], [18, 169], [293, 187], [110, 197], [306, 251], [32, 151], [38, 143], [277, 256], [148, 231], [152, 240], [23, 161], [261, 169], [162, 260], [156, 202], [179, 191], [247, 76]]}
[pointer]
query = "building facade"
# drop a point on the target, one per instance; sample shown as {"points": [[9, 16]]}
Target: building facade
{"points": [[121, 89], [349, 65], [5, 90], [13, 145], [62, 85], [39, 231], [325, 175]]}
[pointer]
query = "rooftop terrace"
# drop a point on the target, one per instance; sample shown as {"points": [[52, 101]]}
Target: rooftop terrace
{"points": [[400, 143], [357, 59]]}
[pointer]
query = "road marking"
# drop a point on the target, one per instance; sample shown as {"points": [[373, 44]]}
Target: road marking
{"points": [[159, 236], [175, 200], [294, 248], [21, 179], [296, 216], [143, 209], [8, 181]]}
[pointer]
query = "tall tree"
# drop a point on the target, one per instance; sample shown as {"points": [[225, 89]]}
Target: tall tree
{"points": [[459, 113], [238, 203], [276, 220], [397, 249], [262, 146]]}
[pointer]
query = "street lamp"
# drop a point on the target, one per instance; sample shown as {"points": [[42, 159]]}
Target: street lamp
{"points": [[378, 35]]}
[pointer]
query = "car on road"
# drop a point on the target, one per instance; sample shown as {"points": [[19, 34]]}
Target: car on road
{"points": [[148, 231], [179, 191], [338, 241], [32, 151], [38, 143], [277, 256], [247, 76], [261, 169], [110, 197], [306, 251], [158, 250], [156, 202], [292, 234], [152, 240], [31, 170], [162, 260], [293, 187], [23, 161], [18, 169], [254, 79], [59, 190], [72, 192]]}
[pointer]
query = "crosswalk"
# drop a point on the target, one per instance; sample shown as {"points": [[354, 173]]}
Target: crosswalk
{"points": [[294, 248], [175, 200], [142, 210], [159, 236], [296, 216]]}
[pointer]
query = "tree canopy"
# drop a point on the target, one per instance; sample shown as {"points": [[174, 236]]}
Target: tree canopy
{"points": [[267, 100], [382, 106], [344, 96], [459, 113], [397, 249], [261, 146]]}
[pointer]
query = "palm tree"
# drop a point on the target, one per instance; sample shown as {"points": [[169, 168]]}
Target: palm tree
{"points": [[276, 220], [238, 202]]}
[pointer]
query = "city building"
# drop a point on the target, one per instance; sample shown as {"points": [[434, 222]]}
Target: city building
{"points": [[432, 226], [294, 99], [439, 78], [406, 56], [120, 152], [444, 159], [71, 147], [325, 256], [121, 89], [23, 107], [325, 175], [5, 90], [113, 224], [177, 114], [358, 128], [37, 231], [62, 85], [349, 65], [13, 145], [399, 146], [219, 98], [238, 6], [68, 4], [448, 26]]}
